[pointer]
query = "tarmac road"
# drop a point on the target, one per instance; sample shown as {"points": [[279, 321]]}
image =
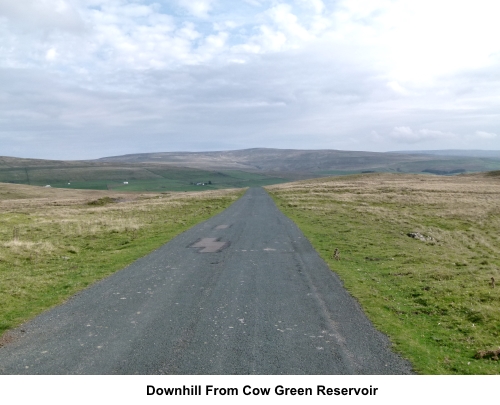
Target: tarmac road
{"points": [[263, 303]]}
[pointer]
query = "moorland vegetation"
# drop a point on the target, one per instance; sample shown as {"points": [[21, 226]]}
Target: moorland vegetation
{"points": [[55, 242], [419, 253]]}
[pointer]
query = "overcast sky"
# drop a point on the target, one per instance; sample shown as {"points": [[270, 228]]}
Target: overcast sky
{"points": [[90, 78]]}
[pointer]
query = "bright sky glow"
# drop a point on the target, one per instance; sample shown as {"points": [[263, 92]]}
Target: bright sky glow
{"points": [[91, 78]]}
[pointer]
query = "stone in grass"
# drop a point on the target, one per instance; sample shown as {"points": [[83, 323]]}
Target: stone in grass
{"points": [[102, 201], [488, 354], [419, 236]]}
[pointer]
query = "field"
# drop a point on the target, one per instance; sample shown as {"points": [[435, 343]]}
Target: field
{"points": [[183, 171], [126, 177], [418, 252], [55, 242]]}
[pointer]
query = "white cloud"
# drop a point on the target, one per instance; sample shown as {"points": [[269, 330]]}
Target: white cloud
{"points": [[42, 14], [255, 3], [213, 45], [198, 8], [51, 54], [286, 21], [408, 135], [485, 135], [420, 41], [397, 88], [228, 24], [268, 40], [301, 73], [282, 30], [403, 134], [316, 5]]}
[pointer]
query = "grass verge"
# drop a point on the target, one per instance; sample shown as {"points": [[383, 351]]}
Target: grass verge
{"points": [[54, 243], [432, 296]]}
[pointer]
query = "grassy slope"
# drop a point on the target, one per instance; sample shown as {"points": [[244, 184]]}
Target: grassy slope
{"points": [[468, 164], [432, 298], [56, 242], [140, 177], [177, 172], [463, 164]]}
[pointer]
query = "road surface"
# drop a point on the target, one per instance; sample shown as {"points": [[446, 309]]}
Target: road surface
{"points": [[242, 293]]}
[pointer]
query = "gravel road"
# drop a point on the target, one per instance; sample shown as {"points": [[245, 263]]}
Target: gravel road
{"points": [[250, 297]]}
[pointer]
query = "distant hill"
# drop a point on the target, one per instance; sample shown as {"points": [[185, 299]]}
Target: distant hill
{"points": [[495, 154], [315, 162], [184, 171], [272, 160]]}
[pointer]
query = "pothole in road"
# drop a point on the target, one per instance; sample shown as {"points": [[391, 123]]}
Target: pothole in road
{"points": [[222, 226], [209, 245]]}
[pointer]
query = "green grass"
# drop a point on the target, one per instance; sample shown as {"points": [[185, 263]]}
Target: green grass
{"points": [[52, 247], [145, 177], [468, 165], [433, 299]]}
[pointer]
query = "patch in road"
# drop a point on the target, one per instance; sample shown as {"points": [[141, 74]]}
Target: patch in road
{"points": [[209, 245]]}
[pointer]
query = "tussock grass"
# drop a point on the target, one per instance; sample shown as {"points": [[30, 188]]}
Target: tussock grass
{"points": [[55, 242], [432, 298]]}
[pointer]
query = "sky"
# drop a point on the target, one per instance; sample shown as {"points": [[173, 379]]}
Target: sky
{"points": [[82, 79]]}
